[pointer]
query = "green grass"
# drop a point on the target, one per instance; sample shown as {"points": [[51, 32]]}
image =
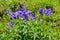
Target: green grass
{"points": [[31, 30]]}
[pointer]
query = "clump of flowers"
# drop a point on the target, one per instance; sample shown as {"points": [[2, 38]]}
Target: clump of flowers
{"points": [[25, 14], [22, 14], [46, 11]]}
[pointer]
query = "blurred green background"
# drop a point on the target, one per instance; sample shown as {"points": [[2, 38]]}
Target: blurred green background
{"points": [[48, 29]]}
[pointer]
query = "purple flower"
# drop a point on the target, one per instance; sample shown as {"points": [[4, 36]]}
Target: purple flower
{"points": [[11, 24], [33, 17], [13, 17], [16, 15], [45, 12], [41, 11], [19, 14], [23, 9], [25, 17], [28, 12], [48, 12], [23, 14]]}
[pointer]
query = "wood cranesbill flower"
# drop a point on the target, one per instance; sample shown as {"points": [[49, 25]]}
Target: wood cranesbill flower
{"points": [[34, 17], [16, 15], [48, 12], [24, 14], [11, 24], [41, 11], [23, 9], [30, 15], [25, 17], [13, 17]]}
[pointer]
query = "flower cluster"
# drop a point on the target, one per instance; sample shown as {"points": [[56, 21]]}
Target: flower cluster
{"points": [[27, 15], [23, 14], [46, 11]]}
